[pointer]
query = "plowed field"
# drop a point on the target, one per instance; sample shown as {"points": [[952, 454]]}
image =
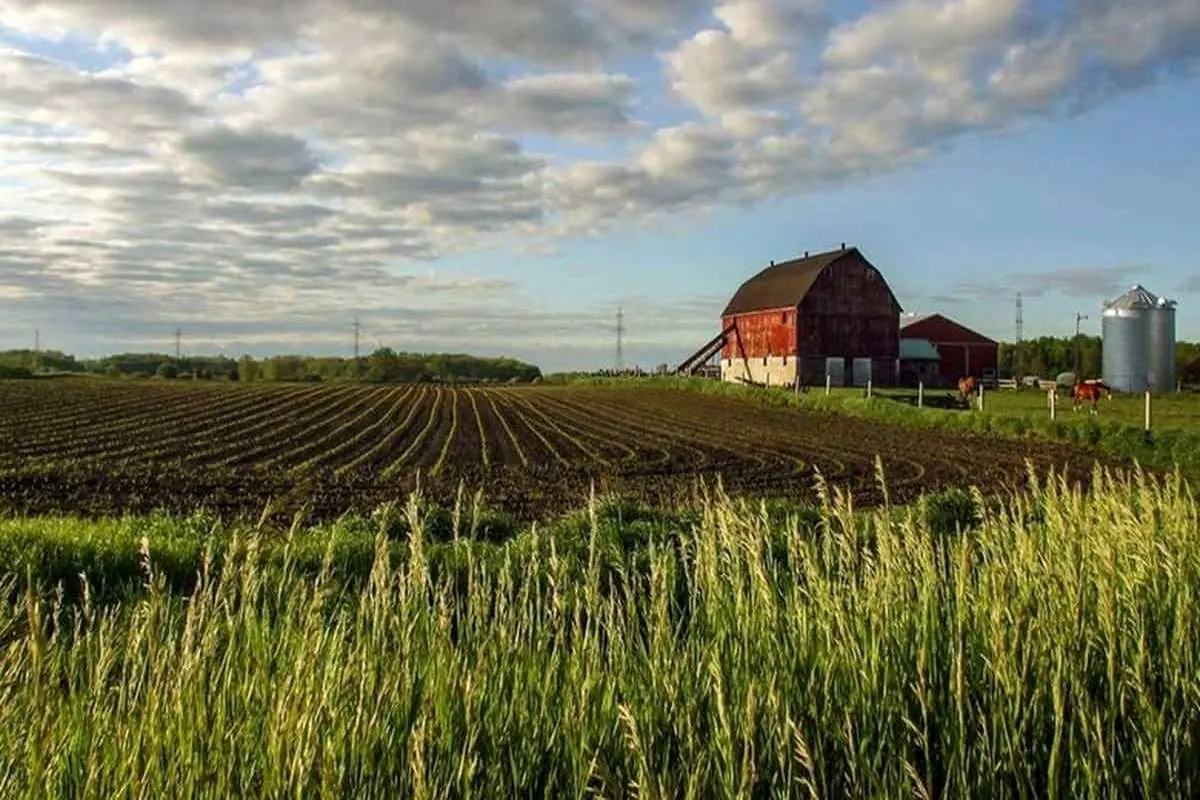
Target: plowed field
{"points": [[100, 447]]}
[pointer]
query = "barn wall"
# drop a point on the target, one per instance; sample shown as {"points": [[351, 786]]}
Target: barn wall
{"points": [[761, 334], [914, 371], [963, 351], [960, 360], [850, 312], [772, 370]]}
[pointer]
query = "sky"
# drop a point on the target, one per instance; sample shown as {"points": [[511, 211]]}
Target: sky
{"points": [[500, 176]]}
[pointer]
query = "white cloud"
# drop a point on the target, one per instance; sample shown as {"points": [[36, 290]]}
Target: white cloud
{"points": [[766, 23], [230, 156], [718, 74]]}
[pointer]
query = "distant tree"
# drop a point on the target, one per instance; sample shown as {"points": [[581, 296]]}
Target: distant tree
{"points": [[247, 369], [112, 371], [383, 366], [167, 371], [283, 368]]}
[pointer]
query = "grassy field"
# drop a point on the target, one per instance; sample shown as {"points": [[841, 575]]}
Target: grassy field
{"points": [[1116, 431], [1051, 649], [1170, 411]]}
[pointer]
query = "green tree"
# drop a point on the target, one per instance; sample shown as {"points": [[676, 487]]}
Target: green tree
{"points": [[383, 366], [167, 371], [247, 369]]}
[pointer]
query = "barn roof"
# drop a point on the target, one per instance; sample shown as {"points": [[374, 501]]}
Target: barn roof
{"points": [[784, 284], [912, 324]]}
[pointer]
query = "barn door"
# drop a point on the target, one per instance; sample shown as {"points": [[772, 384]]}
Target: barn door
{"points": [[835, 370]]}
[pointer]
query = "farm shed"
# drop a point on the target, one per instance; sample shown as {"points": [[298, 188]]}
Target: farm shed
{"points": [[826, 314], [963, 351], [919, 363]]}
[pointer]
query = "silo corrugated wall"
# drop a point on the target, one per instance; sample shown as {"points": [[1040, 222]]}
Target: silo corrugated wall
{"points": [[1160, 332], [1126, 357]]}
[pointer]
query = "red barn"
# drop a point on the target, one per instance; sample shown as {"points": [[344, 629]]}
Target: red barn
{"points": [[827, 314], [962, 351]]}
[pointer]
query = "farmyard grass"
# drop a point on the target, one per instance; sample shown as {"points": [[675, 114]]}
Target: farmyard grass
{"points": [[1173, 442]]}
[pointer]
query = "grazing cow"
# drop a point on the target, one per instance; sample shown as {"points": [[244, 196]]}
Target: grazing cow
{"points": [[1089, 392], [966, 388]]}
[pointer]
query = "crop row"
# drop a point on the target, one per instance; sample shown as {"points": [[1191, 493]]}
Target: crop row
{"points": [[349, 443]]}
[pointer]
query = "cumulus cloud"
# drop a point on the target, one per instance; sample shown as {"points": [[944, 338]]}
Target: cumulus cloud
{"points": [[242, 161]]}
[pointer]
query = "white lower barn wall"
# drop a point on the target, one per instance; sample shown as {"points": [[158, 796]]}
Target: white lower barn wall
{"points": [[772, 370]]}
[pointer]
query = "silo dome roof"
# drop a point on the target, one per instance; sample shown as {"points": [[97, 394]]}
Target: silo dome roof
{"points": [[1136, 298]]}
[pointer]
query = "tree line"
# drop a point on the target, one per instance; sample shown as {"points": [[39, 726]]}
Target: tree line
{"points": [[382, 366], [1048, 356]]}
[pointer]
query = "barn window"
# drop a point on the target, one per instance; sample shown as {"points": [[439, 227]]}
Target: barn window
{"points": [[783, 318]]}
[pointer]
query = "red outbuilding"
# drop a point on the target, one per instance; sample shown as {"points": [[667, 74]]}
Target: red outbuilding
{"points": [[961, 351]]}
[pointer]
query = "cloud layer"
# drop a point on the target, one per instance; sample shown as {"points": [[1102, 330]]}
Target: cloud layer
{"points": [[272, 163]]}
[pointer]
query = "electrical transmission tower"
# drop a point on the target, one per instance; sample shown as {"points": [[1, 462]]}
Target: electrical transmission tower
{"points": [[178, 343], [1020, 320], [357, 330], [620, 339]]}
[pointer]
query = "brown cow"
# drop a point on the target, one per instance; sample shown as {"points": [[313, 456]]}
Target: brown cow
{"points": [[966, 388], [1089, 392]]}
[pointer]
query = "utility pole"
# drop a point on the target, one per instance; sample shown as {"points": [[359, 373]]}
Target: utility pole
{"points": [[357, 329], [178, 344], [1020, 339], [37, 349], [620, 339], [1078, 317]]}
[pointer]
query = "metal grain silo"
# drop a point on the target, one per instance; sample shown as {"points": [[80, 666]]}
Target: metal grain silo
{"points": [[1126, 340], [1160, 331]]}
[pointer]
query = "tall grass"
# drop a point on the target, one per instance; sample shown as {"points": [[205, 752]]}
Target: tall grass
{"points": [[1052, 649]]}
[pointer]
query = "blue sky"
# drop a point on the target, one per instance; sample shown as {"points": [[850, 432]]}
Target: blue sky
{"points": [[500, 181]]}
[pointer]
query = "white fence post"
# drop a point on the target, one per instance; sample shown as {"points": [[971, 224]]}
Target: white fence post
{"points": [[868, 388], [1147, 409], [920, 394], [828, 383], [981, 397], [1053, 395]]}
